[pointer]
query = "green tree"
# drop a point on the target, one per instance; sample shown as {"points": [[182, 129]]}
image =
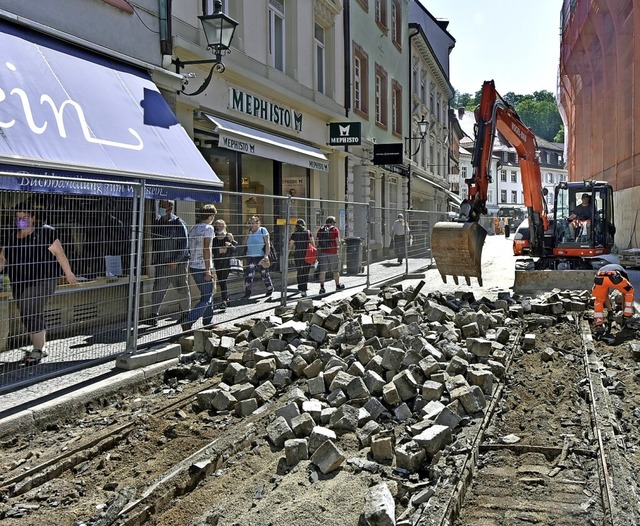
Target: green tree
{"points": [[538, 110], [542, 117], [512, 99]]}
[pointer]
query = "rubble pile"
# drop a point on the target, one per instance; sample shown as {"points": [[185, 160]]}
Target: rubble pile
{"points": [[403, 371]]}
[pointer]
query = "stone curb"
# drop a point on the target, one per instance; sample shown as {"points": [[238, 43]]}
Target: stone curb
{"points": [[34, 419]]}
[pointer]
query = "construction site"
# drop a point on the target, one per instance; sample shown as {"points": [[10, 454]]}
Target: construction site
{"points": [[476, 388]]}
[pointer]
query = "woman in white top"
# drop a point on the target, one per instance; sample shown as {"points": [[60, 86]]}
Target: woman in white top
{"points": [[200, 267], [399, 232]]}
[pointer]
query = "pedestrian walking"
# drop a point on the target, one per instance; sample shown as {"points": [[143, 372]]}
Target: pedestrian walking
{"points": [[258, 245], [224, 248], [170, 259], [400, 231], [298, 244], [328, 253], [201, 267]]}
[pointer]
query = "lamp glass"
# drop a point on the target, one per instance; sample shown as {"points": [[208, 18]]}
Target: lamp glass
{"points": [[218, 30], [422, 125]]}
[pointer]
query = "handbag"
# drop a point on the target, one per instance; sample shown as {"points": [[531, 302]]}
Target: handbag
{"points": [[235, 265], [311, 254]]}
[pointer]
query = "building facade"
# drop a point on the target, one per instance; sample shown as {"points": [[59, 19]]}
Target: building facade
{"points": [[431, 92], [262, 123], [378, 47], [600, 100]]}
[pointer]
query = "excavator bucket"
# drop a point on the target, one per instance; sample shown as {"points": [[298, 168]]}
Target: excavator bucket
{"points": [[457, 249]]}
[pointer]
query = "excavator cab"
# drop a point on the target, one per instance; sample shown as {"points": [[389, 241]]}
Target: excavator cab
{"points": [[584, 219]]}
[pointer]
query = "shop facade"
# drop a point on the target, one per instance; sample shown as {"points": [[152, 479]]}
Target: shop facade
{"points": [[92, 145]]}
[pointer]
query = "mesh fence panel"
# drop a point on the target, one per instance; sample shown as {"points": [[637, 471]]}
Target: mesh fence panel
{"points": [[134, 267]]}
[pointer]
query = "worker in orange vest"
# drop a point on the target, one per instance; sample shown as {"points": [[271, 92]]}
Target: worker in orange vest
{"points": [[607, 278]]}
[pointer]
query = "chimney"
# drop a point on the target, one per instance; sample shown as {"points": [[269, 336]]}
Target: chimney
{"points": [[460, 113]]}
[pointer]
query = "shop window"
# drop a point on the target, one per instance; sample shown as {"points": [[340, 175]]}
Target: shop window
{"points": [[94, 231]]}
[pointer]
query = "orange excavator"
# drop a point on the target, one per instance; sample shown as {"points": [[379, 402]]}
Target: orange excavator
{"points": [[457, 246]]}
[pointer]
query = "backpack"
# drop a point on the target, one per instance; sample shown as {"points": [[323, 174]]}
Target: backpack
{"points": [[324, 237]]}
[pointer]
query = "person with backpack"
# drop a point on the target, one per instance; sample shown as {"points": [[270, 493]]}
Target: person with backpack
{"points": [[298, 244], [328, 256], [258, 245], [170, 259]]}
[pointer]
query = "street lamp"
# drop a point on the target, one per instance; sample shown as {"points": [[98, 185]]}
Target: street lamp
{"points": [[423, 127], [218, 30]]}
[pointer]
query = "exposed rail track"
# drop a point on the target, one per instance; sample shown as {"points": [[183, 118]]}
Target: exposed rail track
{"points": [[548, 458]]}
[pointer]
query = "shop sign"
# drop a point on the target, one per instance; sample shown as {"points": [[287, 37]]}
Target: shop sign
{"points": [[344, 133], [73, 183], [387, 153], [264, 109], [237, 145]]}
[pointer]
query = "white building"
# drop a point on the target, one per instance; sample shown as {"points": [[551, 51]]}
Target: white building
{"points": [[505, 188]]}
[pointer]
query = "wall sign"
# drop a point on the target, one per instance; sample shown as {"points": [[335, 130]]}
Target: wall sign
{"points": [[264, 109], [387, 153], [344, 133]]}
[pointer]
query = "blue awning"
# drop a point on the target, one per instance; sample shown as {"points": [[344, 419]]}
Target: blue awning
{"points": [[68, 109]]}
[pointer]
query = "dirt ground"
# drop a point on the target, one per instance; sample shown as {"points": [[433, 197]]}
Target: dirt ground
{"points": [[251, 484]]}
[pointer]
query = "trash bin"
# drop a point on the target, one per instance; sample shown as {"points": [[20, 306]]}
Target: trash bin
{"points": [[354, 254]]}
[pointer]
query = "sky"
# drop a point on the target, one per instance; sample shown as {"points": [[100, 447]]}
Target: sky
{"points": [[514, 42]]}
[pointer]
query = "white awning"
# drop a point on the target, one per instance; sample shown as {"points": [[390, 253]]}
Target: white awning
{"points": [[244, 139]]}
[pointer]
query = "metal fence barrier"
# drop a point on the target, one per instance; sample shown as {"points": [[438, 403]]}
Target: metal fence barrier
{"points": [[134, 285]]}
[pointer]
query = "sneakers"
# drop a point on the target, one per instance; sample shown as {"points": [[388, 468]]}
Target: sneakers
{"points": [[340, 286], [33, 357], [322, 291]]}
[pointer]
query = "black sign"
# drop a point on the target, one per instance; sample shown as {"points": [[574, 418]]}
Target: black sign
{"points": [[389, 153], [344, 134]]}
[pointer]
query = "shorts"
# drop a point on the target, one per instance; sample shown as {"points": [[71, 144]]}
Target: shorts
{"points": [[32, 300], [328, 263]]}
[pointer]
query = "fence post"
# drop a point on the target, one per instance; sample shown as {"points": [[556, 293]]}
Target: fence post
{"points": [[368, 240], [284, 261], [407, 238], [135, 262]]}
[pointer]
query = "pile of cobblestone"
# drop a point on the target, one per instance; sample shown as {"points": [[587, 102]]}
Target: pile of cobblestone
{"points": [[403, 371]]}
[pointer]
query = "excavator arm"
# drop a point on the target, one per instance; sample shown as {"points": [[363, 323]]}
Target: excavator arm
{"points": [[457, 246]]}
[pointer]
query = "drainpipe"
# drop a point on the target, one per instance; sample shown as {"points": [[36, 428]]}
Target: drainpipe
{"points": [[346, 25], [409, 207], [164, 13]]}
